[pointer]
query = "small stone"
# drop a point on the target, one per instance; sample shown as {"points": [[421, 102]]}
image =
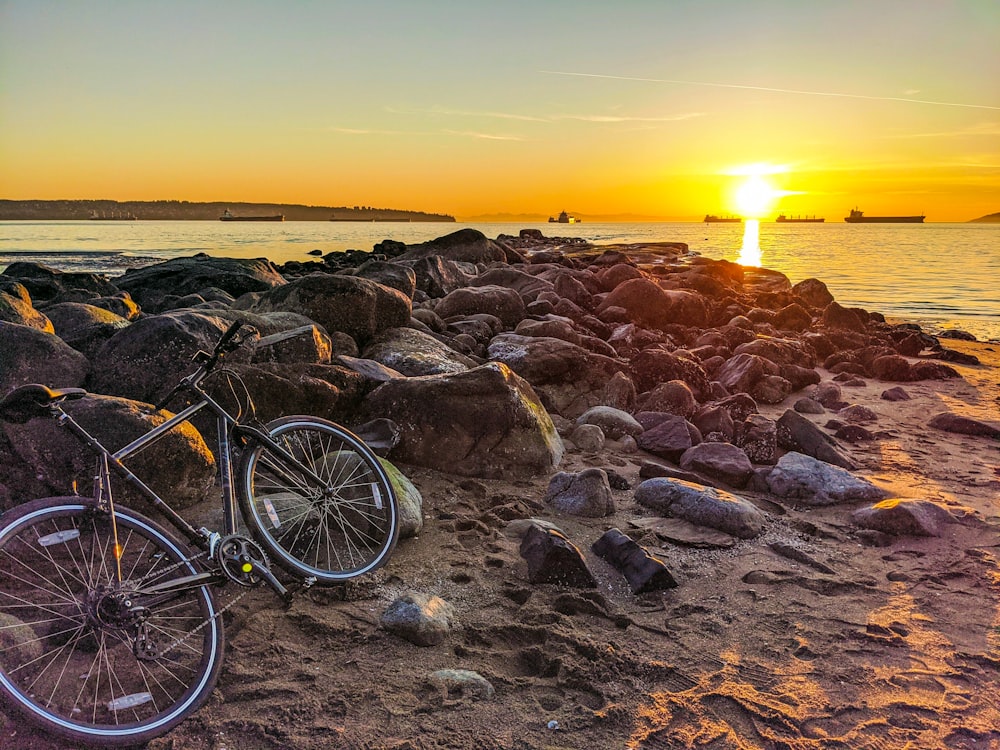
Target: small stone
{"points": [[464, 682], [897, 393], [421, 619]]}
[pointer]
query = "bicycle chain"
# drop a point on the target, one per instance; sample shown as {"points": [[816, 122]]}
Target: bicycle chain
{"points": [[177, 642]]}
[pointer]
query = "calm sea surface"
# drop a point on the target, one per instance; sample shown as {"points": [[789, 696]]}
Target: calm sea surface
{"points": [[939, 275]]}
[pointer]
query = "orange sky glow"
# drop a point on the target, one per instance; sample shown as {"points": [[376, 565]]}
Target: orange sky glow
{"points": [[636, 111]]}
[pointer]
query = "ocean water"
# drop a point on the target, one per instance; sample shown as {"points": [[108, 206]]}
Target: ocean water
{"points": [[938, 275]]}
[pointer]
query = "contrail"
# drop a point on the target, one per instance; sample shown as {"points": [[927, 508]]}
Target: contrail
{"points": [[773, 90]]}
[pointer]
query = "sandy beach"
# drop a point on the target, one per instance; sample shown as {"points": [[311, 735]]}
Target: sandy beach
{"points": [[816, 634]]}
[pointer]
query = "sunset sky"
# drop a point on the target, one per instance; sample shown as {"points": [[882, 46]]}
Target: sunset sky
{"points": [[650, 108]]}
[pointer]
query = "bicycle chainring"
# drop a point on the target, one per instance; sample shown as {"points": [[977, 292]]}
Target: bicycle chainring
{"points": [[241, 560]]}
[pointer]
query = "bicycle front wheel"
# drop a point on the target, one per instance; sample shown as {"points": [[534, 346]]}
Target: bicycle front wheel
{"points": [[83, 654], [334, 529]]}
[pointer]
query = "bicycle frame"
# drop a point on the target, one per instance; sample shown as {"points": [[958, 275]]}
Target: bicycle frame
{"points": [[228, 428]]}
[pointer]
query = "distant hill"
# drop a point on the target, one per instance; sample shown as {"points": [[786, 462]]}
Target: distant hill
{"points": [[988, 219], [68, 210], [586, 218]]}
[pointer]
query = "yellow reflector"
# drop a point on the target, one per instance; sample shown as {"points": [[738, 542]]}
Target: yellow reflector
{"points": [[118, 551], [247, 567]]}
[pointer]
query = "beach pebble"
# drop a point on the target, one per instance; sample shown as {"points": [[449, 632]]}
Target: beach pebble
{"points": [[421, 619], [808, 406], [642, 571], [464, 682], [896, 393], [857, 414]]}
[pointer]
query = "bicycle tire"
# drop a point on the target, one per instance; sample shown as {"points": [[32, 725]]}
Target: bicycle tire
{"points": [[68, 664], [334, 533]]}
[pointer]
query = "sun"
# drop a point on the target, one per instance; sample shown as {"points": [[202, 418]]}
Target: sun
{"points": [[755, 197]]}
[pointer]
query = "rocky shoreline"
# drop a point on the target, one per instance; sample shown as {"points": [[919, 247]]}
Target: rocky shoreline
{"points": [[587, 432]]}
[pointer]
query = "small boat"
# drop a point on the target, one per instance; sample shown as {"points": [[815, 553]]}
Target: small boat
{"points": [[858, 217], [564, 218], [227, 215], [713, 219], [799, 219]]}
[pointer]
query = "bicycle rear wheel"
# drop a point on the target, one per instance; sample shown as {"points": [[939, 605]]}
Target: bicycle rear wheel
{"points": [[340, 529], [81, 654]]}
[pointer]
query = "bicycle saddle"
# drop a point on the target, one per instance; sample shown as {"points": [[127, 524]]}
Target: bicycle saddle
{"points": [[28, 401]]}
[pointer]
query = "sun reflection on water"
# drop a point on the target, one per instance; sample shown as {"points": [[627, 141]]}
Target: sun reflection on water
{"points": [[750, 252]]}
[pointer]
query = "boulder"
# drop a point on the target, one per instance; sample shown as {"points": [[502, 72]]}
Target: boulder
{"points": [[408, 499], [44, 283], [702, 506], [586, 493], [305, 344], [553, 558], [904, 517], [949, 422], [813, 292], [16, 308], [836, 316], [436, 276], [814, 482], [181, 276], [149, 357], [673, 397], [30, 355], [720, 461], [614, 423], [468, 245], [895, 394], [669, 438], [780, 351], [529, 286], [758, 437], [359, 307], [485, 422], [653, 366], [179, 466], [743, 371], [568, 378], [414, 353], [642, 571], [650, 306], [505, 304], [796, 433], [392, 275]]}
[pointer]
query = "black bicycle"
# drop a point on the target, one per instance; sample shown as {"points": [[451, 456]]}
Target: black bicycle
{"points": [[110, 633]]}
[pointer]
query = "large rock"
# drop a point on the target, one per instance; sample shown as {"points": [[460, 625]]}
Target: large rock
{"points": [[702, 506], [421, 619], [720, 461], [361, 308], [485, 422], [614, 423], [29, 355], [149, 357], [505, 304], [413, 353], [468, 245], [16, 307], [525, 284], [653, 366], [743, 371], [650, 306], [568, 378], [182, 276], [436, 276], [949, 422], [796, 433], [780, 351], [392, 275], [814, 482], [179, 466], [669, 438], [44, 283], [904, 517], [586, 493]]}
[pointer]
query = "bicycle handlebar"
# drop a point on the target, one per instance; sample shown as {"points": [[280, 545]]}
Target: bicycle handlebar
{"points": [[227, 343]]}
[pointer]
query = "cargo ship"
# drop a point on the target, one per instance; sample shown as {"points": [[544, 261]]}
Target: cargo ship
{"points": [[800, 219], [564, 218], [858, 217], [227, 215], [713, 219]]}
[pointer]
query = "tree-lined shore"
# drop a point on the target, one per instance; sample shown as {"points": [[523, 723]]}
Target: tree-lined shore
{"points": [[69, 210]]}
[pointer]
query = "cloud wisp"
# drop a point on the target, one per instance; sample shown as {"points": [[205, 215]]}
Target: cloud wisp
{"points": [[772, 89]]}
